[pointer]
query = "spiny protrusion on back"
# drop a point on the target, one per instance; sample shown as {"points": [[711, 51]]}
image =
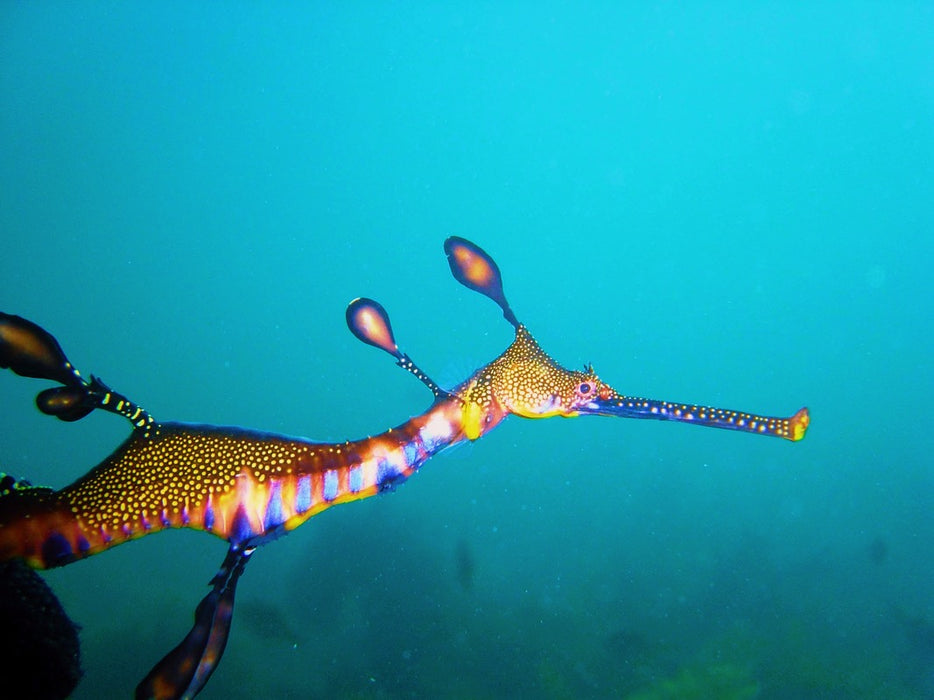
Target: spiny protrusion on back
{"points": [[369, 322], [31, 351], [475, 269], [472, 267]]}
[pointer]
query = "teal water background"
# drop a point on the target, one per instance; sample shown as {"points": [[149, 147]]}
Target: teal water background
{"points": [[723, 204]]}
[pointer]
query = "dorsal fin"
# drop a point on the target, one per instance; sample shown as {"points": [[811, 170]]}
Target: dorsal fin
{"points": [[475, 269], [369, 322]]}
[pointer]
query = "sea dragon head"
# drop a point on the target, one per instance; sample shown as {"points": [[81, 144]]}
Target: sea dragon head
{"points": [[525, 381]]}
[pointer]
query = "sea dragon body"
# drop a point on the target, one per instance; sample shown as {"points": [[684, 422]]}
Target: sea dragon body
{"points": [[249, 487], [244, 486]]}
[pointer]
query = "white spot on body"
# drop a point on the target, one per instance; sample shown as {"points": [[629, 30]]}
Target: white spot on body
{"points": [[436, 430]]}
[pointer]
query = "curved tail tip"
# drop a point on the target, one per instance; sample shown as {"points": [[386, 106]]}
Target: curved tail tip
{"points": [[799, 424]]}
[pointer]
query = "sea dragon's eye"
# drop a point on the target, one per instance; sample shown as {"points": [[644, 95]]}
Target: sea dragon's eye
{"points": [[584, 388]]}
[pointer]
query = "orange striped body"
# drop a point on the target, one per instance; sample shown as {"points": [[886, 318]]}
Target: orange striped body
{"points": [[241, 485]]}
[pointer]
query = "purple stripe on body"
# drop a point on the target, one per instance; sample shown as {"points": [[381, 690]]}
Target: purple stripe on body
{"points": [[303, 494], [356, 479], [410, 449], [387, 476], [329, 491], [275, 515], [240, 528], [56, 549]]}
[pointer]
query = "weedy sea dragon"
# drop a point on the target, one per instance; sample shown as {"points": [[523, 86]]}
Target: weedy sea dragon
{"points": [[249, 487]]}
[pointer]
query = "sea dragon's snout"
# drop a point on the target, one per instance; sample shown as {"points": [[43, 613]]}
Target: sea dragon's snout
{"points": [[792, 428]]}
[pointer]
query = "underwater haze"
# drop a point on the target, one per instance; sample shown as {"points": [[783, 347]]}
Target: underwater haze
{"points": [[724, 203]]}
